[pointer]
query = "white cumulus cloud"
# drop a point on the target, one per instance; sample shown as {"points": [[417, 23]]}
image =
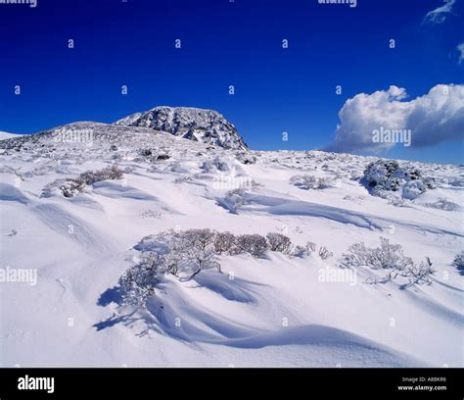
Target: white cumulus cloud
{"points": [[430, 119], [460, 49], [439, 14]]}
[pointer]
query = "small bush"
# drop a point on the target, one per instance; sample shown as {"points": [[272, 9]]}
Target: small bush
{"points": [[145, 152], [216, 164], [458, 262], [384, 177], [191, 252], [246, 158], [234, 200], [73, 186], [307, 182], [420, 274], [153, 155], [302, 251], [254, 244], [224, 243], [413, 189], [325, 253], [279, 242], [183, 179], [108, 173], [138, 282], [387, 256], [198, 238]]}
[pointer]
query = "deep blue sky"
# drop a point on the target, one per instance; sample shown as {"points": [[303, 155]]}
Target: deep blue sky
{"points": [[224, 43]]}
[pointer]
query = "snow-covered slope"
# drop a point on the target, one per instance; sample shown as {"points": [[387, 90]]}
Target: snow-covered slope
{"points": [[197, 124], [278, 310], [7, 135]]}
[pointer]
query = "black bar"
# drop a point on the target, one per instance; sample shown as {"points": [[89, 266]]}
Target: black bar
{"points": [[87, 383]]}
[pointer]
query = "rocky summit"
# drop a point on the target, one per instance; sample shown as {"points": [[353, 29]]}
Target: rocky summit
{"points": [[206, 126]]}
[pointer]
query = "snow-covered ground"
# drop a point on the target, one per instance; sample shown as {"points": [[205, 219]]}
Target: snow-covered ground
{"points": [[7, 135], [278, 310]]}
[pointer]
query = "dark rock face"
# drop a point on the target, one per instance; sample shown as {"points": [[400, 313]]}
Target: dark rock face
{"points": [[200, 125]]}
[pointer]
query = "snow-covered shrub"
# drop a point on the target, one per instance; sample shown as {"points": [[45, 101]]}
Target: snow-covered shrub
{"points": [[183, 254], [176, 167], [246, 158], [382, 175], [216, 164], [73, 186], [303, 251], [254, 244], [198, 238], [413, 189], [149, 213], [108, 173], [324, 253], [458, 262], [307, 182], [12, 233], [153, 155], [279, 242], [224, 243], [300, 251], [191, 252], [325, 183], [311, 246], [145, 152], [420, 273], [138, 282], [385, 176], [234, 200], [183, 179], [430, 183], [387, 256]]}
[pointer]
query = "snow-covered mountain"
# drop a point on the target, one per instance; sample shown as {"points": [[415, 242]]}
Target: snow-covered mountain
{"points": [[85, 204], [197, 124], [7, 135]]}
